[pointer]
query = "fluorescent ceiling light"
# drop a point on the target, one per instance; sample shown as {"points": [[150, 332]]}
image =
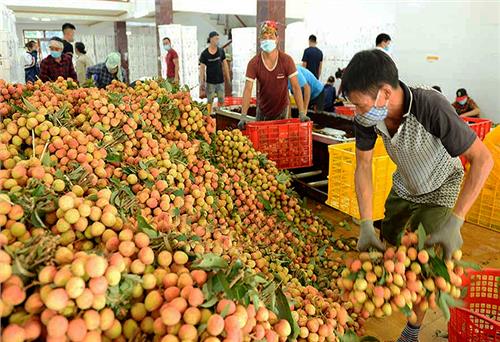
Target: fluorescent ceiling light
{"points": [[45, 19], [35, 18]]}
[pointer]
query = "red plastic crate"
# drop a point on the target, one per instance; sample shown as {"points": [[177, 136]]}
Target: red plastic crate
{"points": [[479, 320], [237, 101], [344, 110], [480, 126], [287, 142]]}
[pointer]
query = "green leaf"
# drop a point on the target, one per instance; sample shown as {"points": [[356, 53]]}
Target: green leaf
{"points": [[146, 228], [29, 106], [422, 236], [438, 267], [406, 310], [284, 312], [178, 193], [264, 202], [210, 262], [38, 191], [444, 307], [114, 157], [322, 250], [210, 302], [225, 285], [349, 336], [46, 161], [467, 264], [347, 226]]}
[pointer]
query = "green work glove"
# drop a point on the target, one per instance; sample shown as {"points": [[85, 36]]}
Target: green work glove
{"points": [[367, 237], [303, 117], [448, 236]]}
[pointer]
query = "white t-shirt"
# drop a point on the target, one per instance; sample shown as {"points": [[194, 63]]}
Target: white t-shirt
{"points": [[28, 60]]}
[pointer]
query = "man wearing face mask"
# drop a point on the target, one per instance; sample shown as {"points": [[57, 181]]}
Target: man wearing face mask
{"points": [[465, 106], [273, 69], [57, 64], [172, 61], [383, 43], [423, 136], [104, 73]]}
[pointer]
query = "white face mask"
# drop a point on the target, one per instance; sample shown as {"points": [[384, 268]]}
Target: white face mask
{"points": [[374, 115]]}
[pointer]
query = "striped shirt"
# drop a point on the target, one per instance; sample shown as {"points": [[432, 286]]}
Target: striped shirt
{"points": [[424, 148]]}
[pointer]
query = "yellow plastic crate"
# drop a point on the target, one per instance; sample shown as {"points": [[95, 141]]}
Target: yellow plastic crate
{"points": [[485, 212], [341, 190]]}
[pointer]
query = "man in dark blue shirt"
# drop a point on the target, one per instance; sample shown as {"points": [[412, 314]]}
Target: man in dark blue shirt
{"points": [[312, 59]]}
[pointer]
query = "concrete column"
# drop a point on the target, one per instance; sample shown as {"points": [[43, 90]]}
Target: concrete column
{"points": [[121, 44], [164, 15], [272, 10]]}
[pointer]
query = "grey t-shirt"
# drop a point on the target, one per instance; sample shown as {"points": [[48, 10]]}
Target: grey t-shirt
{"points": [[424, 148]]}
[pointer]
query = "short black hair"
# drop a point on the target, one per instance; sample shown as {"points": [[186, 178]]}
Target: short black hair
{"points": [[312, 38], [80, 47], [57, 39], [331, 79], [368, 71], [381, 38], [438, 88], [166, 38], [30, 44], [339, 73], [68, 26]]}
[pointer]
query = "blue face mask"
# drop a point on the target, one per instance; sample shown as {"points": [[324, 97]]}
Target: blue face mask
{"points": [[56, 54], [374, 115], [267, 45], [167, 47], [462, 102]]}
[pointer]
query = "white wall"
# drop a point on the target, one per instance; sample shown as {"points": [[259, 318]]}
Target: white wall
{"points": [[466, 38], [204, 26], [464, 35]]}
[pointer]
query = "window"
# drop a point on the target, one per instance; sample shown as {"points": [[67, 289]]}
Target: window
{"points": [[40, 35]]}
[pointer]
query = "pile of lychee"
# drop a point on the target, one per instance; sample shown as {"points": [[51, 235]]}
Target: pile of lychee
{"points": [[402, 278]]}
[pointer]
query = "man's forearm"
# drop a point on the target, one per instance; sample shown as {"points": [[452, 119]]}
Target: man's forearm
{"points": [[320, 69], [307, 97], [364, 191], [245, 102], [297, 94], [474, 112], [480, 168]]}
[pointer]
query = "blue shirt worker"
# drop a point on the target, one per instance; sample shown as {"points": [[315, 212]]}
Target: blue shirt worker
{"points": [[312, 89]]}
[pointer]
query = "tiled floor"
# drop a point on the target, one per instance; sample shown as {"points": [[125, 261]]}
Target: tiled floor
{"points": [[481, 246]]}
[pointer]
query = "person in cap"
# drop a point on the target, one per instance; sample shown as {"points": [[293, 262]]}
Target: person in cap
{"points": [[312, 59], [57, 64], [213, 70], [273, 69], [172, 61], [83, 61], [424, 137], [31, 65], [68, 30], [465, 106], [312, 89], [104, 73]]}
